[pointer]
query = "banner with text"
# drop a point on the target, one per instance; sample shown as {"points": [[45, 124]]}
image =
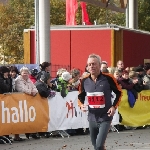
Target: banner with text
{"points": [[65, 113], [22, 113], [139, 115]]}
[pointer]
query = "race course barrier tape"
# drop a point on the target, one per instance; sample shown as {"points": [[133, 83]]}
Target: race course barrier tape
{"points": [[22, 113]]}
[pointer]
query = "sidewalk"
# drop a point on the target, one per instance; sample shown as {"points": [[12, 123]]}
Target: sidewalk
{"points": [[126, 140]]}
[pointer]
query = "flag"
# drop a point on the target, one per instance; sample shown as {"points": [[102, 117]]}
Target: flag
{"points": [[85, 16], [71, 8]]}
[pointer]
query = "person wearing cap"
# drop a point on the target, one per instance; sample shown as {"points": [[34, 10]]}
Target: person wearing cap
{"points": [[33, 75], [140, 71], [134, 79], [45, 66], [5, 80], [5, 87], [42, 84]]}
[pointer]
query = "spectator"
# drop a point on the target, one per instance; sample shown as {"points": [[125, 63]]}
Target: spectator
{"points": [[45, 66], [132, 69], [111, 70], [116, 75], [140, 72], [25, 85], [146, 78], [120, 67], [125, 81], [5, 86], [104, 65], [13, 74], [33, 75], [134, 79], [74, 82], [5, 80], [42, 84], [63, 82], [44, 91], [105, 70], [55, 80]]}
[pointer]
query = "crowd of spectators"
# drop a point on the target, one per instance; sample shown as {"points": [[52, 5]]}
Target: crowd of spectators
{"points": [[133, 79]]}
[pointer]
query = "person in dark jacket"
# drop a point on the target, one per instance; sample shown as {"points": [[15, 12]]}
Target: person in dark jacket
{"points": [[5, 87], [125, 81], [140, 72], [42, 84], [44, 91], [134, 79], [5, 80], [98, 87], [45, 66]]}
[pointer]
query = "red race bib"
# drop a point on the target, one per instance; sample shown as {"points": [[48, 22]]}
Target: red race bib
{"points": [[96, 100]]}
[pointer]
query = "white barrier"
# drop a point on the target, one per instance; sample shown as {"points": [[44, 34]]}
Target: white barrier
{"points": [[65, 114]]}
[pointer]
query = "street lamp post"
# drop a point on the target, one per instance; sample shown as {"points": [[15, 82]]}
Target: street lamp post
{"points": [[44, 30]]}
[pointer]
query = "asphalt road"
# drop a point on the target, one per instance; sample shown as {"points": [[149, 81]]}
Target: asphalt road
{"points": [[125, 140]]}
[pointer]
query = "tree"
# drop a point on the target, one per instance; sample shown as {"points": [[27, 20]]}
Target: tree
{"points": [[15, 16], [18, 15], [144, 15], [57, 12]]}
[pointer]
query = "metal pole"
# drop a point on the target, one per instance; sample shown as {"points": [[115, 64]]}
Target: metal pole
{"points": [[37, 31], [127, 14], [136, 14], [131, 14], [44, 30]]}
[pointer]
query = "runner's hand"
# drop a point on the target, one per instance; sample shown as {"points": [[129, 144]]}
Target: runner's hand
{"points": [[111, 111]]}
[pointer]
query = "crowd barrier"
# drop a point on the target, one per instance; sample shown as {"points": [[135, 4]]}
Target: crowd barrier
{"points": [[22, 113]]}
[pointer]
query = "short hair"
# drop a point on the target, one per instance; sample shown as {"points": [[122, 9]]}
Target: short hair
{"points": [[133, 74], [24, 69], [95, 56], [74, 72]]}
